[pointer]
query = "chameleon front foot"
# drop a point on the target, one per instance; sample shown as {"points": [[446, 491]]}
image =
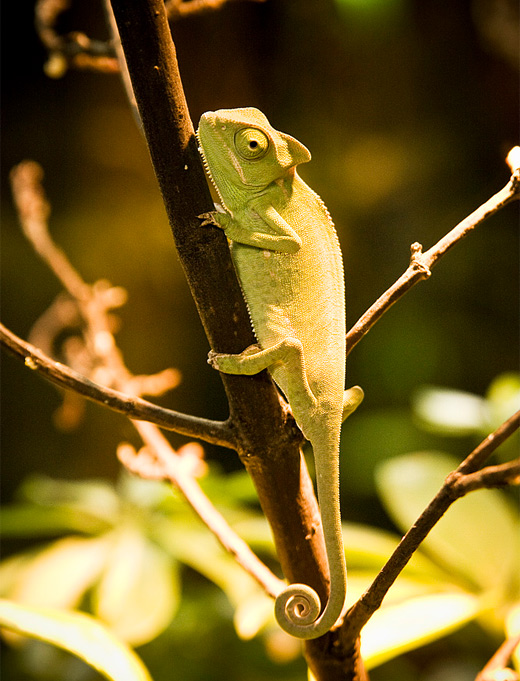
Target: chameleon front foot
{"points": [[234, 364], [208, 219]]}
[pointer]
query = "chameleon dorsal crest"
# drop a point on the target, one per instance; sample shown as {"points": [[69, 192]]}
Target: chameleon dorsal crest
{"points": [[287, 256]]}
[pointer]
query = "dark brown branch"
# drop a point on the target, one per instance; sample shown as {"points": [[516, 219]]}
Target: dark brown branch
{"points": [[422, 263], [215, 432], [177, 8], [456, 485], [496, 669], [268, 442], [157, 459], [488, 478]]}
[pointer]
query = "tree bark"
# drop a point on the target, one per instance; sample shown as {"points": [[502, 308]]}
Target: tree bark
{"points": [[269, 443]]}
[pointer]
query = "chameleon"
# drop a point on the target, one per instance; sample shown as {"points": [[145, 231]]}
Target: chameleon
{"points": [[288, 260]]}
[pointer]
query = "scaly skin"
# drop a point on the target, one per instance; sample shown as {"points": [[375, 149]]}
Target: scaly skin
{"points": [[287, 256]]}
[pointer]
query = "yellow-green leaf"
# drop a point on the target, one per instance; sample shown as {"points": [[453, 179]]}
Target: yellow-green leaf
{"points": [[59, 575], [78, 633], [398, 628], [138, 592], [477, 539]]}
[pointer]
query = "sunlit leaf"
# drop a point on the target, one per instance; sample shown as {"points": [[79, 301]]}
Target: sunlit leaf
{"points": [[142, 492], [27, 520], [10, 571], [138, 592], [450, 412], [96, 497], [477, 538], [503, 396], [370, 547], [195, 547], [252, 614], [513, 630], [404, 588], [396, 629], [59, 575], [79, 634]]}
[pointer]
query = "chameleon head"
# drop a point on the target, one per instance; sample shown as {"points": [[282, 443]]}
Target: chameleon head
{"points": [[242, 145]]}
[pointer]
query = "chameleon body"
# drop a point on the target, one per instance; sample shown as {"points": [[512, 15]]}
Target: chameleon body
{"points": [[287, 256]]}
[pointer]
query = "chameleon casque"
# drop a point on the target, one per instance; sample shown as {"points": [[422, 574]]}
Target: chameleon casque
{"points": [[288, 260]]}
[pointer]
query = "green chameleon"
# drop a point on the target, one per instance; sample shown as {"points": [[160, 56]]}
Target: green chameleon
{"points": [[287, 256]]}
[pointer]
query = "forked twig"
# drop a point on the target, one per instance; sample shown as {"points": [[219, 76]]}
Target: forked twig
{"points": [[496, 669], [421, 263], [460, 482], [158, 459]]}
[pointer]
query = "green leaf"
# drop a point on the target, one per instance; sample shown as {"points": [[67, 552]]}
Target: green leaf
{"points": [[513, 630], [395, 629], [370, 547], [96, 497], [138, 593], [252, 614], [503, 396], [194, 546], [59, 575], [79, 634], [27, 520], [477, 539], [450, 412]]}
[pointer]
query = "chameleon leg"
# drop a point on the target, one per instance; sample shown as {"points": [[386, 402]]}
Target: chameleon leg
{"points": [[352, 398], [287, 353]]}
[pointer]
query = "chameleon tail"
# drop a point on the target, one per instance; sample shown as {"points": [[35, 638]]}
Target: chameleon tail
{"points": [[297, 608]]}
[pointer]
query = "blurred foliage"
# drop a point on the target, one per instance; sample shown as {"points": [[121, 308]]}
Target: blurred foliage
{"points": [[409, 109], [137, 539]]}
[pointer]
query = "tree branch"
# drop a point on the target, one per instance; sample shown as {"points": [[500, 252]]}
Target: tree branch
{"points": [[267, 438], [214, 432], [422, 263], [179, 8], [158, 461], [496, 669], [460, 482]]}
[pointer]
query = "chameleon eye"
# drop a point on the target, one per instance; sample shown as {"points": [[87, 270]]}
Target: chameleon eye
{"points": [[251, 143]]}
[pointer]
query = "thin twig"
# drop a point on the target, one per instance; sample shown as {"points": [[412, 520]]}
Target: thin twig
{"points": [[164, 465], [421, 263], [214, 432], [74, 49], [178, 8], [456, 485], [34, 210], [496, 669]]}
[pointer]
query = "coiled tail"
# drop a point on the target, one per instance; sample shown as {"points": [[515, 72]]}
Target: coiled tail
{"points": [[298, 607]]}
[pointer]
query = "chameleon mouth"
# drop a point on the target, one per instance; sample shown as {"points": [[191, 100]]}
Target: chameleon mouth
{"points": [[206, 166]]}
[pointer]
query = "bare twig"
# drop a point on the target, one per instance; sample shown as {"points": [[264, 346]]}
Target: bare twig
{"points": [[214, 432], [72, 50], [496, 669], [93, 303], [421, 263], [456, 485], [78, 51], [159, 462], [158, 459], [178, 9]]}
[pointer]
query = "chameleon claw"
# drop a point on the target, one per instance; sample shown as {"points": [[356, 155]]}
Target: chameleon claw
{"points": [[208, 219], [213, 359]]}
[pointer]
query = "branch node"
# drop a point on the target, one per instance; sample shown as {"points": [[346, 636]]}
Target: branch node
{"points": [[417, 262]]}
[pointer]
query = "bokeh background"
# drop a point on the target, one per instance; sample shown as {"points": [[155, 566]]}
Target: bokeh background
{"points": [[409, 108]]}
